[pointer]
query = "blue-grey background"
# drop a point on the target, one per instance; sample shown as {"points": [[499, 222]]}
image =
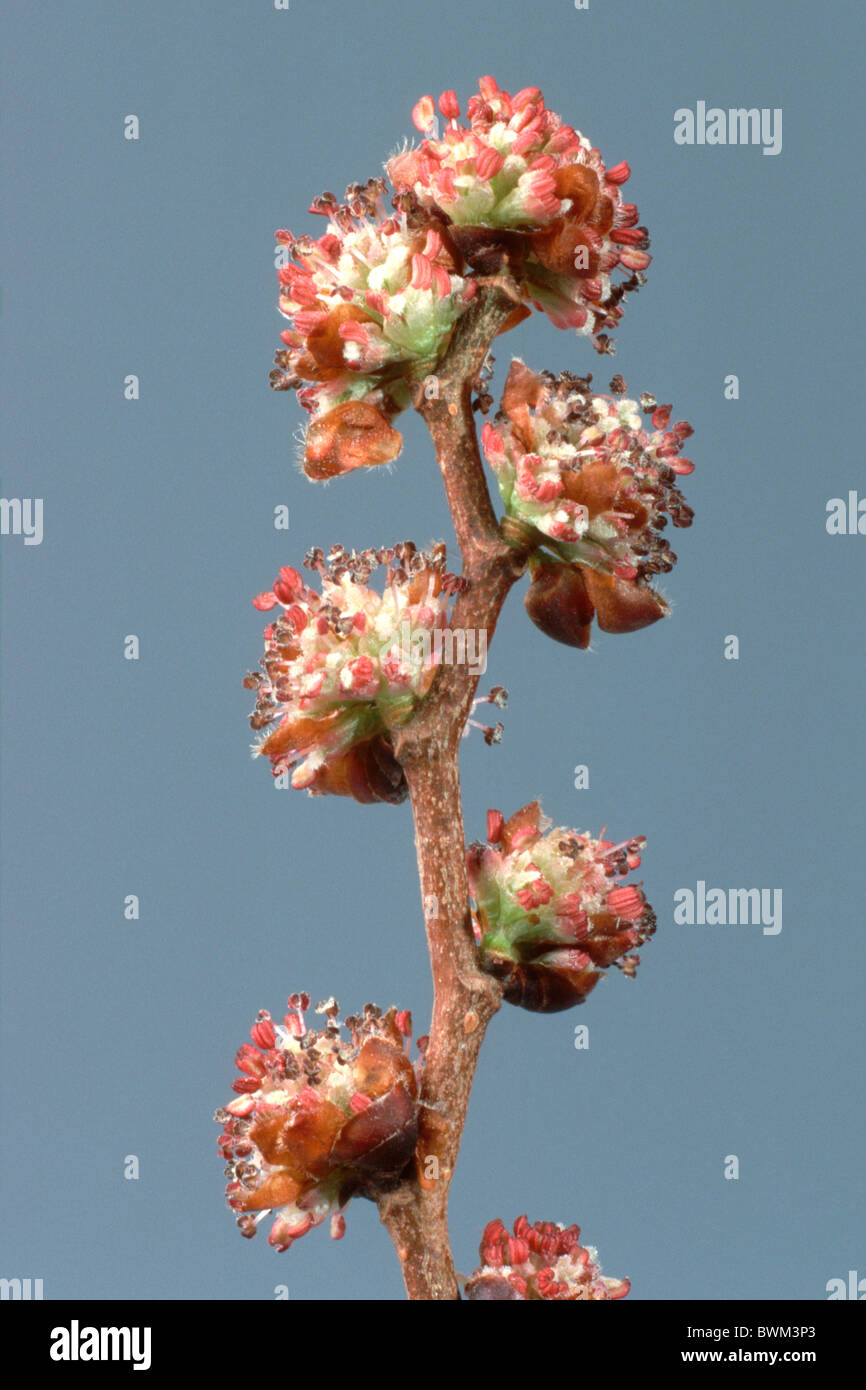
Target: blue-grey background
{"points": [[119, 777]]}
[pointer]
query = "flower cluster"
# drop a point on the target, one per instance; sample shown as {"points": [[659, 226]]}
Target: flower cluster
{"points": [[343, 668], [581, 475], [371, 304], [550, 910], [317, 1119], [542, 1260], [517, 183]]}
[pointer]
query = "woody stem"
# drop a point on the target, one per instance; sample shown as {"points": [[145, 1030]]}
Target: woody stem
{"points": [[464, 998]]}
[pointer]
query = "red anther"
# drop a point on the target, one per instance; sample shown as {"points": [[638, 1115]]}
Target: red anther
{"points": [[632, 259], [543, 187], [445, 184], [288, 585], [546, 491], [629, 236], [353, 332], [516, 1250], [563, 140], [627, 215], [449, 106], [535, 894], [570, 910], [528, 137], [432, 244], [359, 1103], [248, 1059], [297, 616], [525, 97], [422, 272], [423, 114], [661, 417], [309, 319], [441, 281], [265, 601], [245, 1085], [492, 1231], [242, 1107], [263, 1035], [618, 174], [495, 822], [627, 902], [363, 678], [488, 162], [284, 1232], [304, 292], [525, 121]]}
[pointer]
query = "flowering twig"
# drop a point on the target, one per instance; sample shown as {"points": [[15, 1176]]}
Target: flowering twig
{"points": [[389, 309]]}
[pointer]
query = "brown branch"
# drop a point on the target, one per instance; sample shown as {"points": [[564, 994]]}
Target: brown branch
{"points": [[465, 999]]}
